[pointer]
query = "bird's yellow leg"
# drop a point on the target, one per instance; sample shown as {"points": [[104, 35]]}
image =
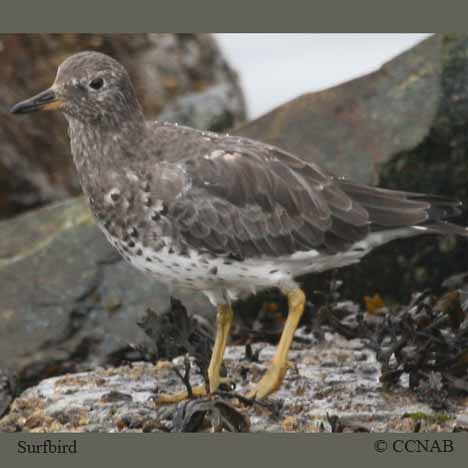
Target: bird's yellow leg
{"points": [[274, 376], [223, 325], [224, 318]]}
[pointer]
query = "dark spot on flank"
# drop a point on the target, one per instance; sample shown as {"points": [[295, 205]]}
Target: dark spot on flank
{"points": [[227, 262], [171, 250], [213, 271], [273, 272], [133, 232], [148, 259], [131, 244], [155, 216], [115, 196], [139, 252]]}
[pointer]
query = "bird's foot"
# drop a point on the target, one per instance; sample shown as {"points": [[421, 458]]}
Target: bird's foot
{"points": [[270, 382], [196, 392], [168, 399]]}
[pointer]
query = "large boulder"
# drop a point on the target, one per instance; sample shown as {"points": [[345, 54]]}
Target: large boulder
{"points": [[354, 128], [184, 76]]}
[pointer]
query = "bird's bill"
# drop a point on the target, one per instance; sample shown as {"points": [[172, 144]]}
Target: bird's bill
{"points": [[45, 101]]}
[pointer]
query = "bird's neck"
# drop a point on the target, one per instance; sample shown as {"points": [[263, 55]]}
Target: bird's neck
{"points": [[96, 149]]}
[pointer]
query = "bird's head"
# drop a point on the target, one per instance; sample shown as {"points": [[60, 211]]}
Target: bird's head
{"points": [[89, 87]]}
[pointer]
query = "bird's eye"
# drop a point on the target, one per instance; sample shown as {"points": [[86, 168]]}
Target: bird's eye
{"points": [[97, 83]]}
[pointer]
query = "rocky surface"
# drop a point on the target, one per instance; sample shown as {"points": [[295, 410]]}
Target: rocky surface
{"points": [[333, 386], [184, 76]]}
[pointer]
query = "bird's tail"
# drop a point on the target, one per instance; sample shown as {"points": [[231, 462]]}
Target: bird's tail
{"points": [[394, 214]]}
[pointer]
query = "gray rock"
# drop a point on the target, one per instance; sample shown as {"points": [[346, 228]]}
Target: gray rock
{"points": [[214, 109], [462, 423], [355, 127], [7, 389], [35, 162], [123, 399]]}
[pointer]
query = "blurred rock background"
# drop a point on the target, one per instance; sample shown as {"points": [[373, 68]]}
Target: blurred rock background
{"points": [[309, 62], [68, 303]]}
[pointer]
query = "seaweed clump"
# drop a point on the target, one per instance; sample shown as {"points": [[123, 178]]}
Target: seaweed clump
{"points": [[425, 342]]}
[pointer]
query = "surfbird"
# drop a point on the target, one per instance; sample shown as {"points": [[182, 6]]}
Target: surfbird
{"points": [[220, 214]]}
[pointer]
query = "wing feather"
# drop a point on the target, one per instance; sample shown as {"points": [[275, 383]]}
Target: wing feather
{"points": [[251, 199]]}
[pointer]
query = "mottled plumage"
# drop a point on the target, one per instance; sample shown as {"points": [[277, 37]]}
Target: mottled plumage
{"points": [[222, 214]]}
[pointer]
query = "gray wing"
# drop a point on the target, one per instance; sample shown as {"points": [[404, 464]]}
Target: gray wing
{"points": [[243, 198], [246, 199]]}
